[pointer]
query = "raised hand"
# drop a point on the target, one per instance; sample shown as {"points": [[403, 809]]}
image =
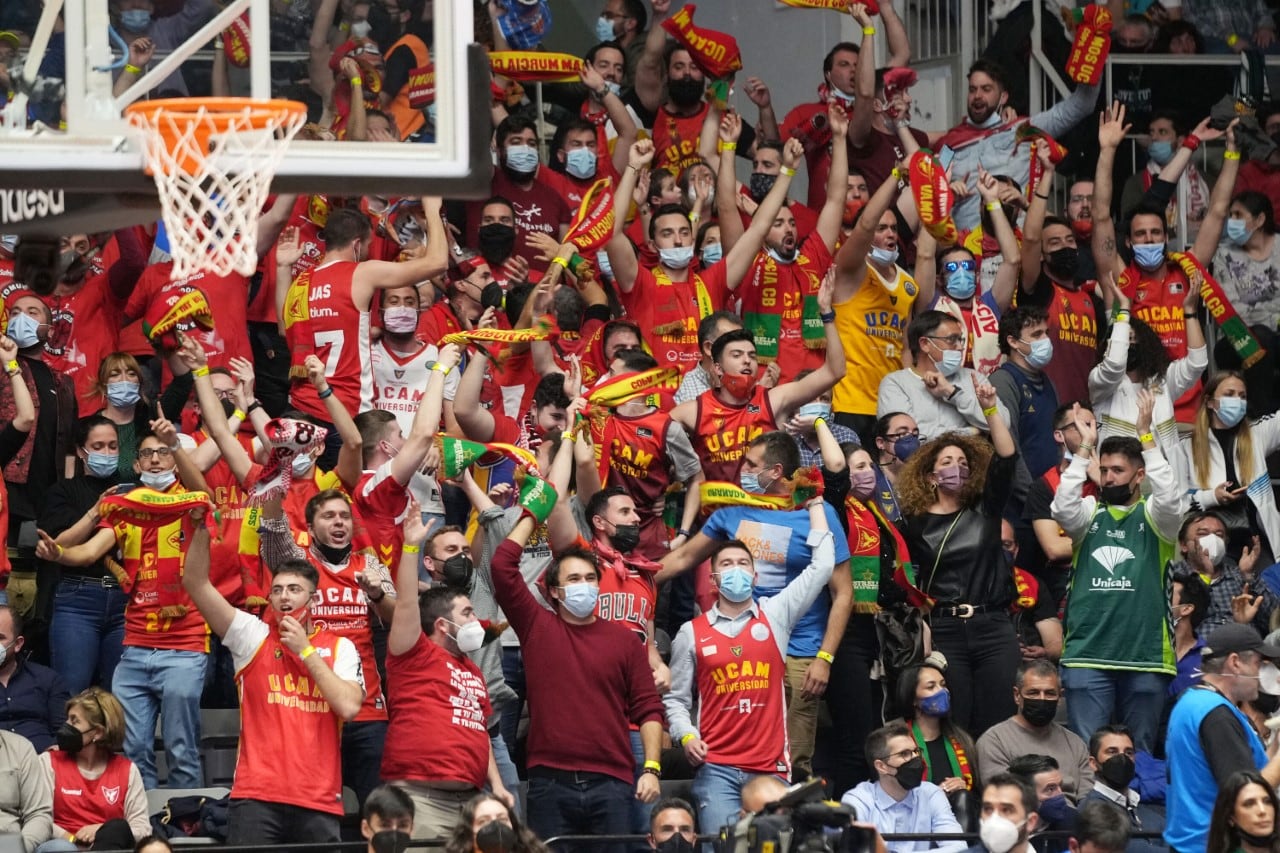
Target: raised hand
{"points": [[827, 290], [46, 548], [8, 348], [792, 153], [191, 352], [545, 245], [730, 127], [641, 154], [450, 355], [988, 186], [758, 91], [985, 392], [163, 429], [1109, 287], [1088, 431], [592, 80], [141, 52], [315, 372], [1111, 127], [860, 14], [837, 119], [288, 246]]}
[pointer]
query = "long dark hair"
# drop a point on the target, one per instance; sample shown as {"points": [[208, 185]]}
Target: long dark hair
{"points": [[1152, 361], [904, 696], [1258, 203], [1223, 835], [463, 840]]}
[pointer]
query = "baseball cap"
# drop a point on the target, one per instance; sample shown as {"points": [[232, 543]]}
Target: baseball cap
{"points": [[1233, 638]]}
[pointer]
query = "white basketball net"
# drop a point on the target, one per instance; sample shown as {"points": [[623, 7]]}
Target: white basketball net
{"points": [[211, 214]]}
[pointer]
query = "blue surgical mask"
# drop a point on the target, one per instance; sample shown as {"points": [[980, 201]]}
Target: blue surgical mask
{"points": [[735, 585], [101, 464], [581, 163], [1231, 410], [937, 705], [135, 20], [522, 158], [1161, 151], [160, 480], [301, 464], [816, 409], [24, 330], [952, 359], [905, 446], [602, 264], [1149, 256], [615, 88], [1237, 232], [712, 254], [1041, 352], [884, 257], [123, 393], [677, 257], [750, 482], [962, 284], [604, 29], [580, 598]]}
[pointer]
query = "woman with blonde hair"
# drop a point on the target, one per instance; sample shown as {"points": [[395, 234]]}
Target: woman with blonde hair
{"points": [[953, 493], [1225, 458], [98, 798], [121, 387]]}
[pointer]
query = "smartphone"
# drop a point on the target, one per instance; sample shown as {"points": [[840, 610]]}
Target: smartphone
{"points": [[945, 155]]}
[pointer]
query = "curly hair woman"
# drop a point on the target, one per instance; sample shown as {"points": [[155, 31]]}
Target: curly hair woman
{"points": [[953, 492], [484, 809]]}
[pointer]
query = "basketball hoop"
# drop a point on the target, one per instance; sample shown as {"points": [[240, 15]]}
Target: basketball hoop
{"points": [[213, 160]]}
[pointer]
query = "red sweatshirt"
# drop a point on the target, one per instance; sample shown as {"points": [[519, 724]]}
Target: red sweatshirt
{"points": [[585, 683]]}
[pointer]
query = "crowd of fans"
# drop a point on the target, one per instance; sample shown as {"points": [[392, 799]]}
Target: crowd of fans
{"points": [[499, 527]]}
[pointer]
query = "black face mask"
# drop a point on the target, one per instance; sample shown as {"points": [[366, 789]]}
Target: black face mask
{"points": [[1256, 840], [675, 844], [625, 537], [389, 841], [1132, 361], [493, 296], [1117, 494], [1266, 703], [496, 242], [759, 185], [332, 556], [910, 774], [496, 837], [1117, 771], [70, 739], [458, 571], [1039, 712], [1064, 263], [686, 92], [74, 268]]}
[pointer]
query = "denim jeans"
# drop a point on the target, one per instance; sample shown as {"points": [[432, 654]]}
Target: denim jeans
{"points": [[86, 616], [506, 767], [362, 756], [1095, 696], [717, 792], [162, 683], [513, 674], [562, 802]]}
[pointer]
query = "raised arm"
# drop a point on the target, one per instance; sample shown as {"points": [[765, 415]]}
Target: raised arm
{"points": [[1033, 224], [475, 420], [215, 609], [622, 255], [738, 259], [649, 68], [426, 421], [1111, 132], [788, 396], [895, 36], [193, 356], [617, 112], [319, 50], [406, 626], [864, 80], [1220, 199], [1001, 438], [767, 127], [350, 455], [832, 213], [1007, 276], [731, 227], [24, 408], [384, 275], [851, 259]]}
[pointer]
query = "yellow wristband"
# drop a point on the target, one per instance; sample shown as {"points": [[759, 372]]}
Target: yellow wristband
{"points": [[130, 68], [690, 736], [1231, 155], [1146, 436], [788, 171], [986, 413], [560, 262], [307, 652], [202, 370], [993, 205], [653, 765], [356, 81], [868, 31], [694, 217], [1232, 40], [826, 656], [1122, 316], [728, 146], [817, 421], [410, 549], [567, 435], [11, 366], [240, 415], [440, 368], [895, 173]]}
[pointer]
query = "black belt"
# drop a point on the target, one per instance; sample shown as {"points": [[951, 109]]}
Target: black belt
{"points": [[571, 777], [104, 581], [963, 611]]}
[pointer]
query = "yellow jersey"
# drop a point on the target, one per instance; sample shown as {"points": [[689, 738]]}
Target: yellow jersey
{"points": [[872, 326]]}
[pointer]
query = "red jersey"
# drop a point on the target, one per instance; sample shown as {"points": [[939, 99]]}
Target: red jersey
{"points": [[675, 139], [79, 801], [436, 322], [321, 318], [628, 598], [159, 614], [774, 297], [741, 713], [636, 460], [572, 189], [289, 736], [228, 298], [1157, 300], [808, 123], [436, 694], [383, 503], [341, 607], [1073, 326], [724, 432], [669, 311], [308, 211], [75, 349], [231, 501]]}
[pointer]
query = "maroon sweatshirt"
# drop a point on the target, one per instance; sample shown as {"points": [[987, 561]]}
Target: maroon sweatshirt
{"points": [[584, 683]]}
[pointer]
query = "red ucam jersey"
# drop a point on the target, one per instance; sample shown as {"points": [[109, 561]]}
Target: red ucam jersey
{"points": [[742, 716], [669, 311], [321, 318], [384, 505], [1156, 299], [724, 432], [85, 330], [79, 801], [675, 139], [398, 384], [636, 449], [231, 500], [308, 216], [341, 607], [1073, 328], [159, 613], [228, 298], [290, 739]]}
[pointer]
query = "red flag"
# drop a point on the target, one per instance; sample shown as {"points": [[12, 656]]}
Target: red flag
{"points": [[716, 53], [1091, 45], [592, 225]]}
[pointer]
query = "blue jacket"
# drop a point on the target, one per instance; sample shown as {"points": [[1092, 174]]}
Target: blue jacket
{"points": [[34, 703]]}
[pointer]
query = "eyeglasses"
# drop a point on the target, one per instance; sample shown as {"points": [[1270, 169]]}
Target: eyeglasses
{"points": [[956, 266], [949, 340], [905, 755], [148, 452], [897, 435], [1080, 199]]}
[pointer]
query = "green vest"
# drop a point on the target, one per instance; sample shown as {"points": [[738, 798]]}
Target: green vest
{"points": [[1117, 607]]}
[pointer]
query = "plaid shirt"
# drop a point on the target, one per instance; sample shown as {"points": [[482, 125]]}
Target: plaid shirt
{"points": [[1227, 585], [1222, 18], [694, 383], [813, 456]]}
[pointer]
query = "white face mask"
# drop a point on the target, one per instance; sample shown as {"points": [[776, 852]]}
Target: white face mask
{"points": [[301, 464], [1214, 547], [999, 834], [469, 637], [1269, 679]]}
